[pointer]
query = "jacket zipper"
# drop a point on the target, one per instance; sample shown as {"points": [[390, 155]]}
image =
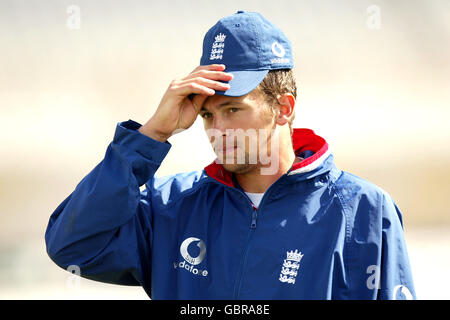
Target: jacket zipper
{"points": [[254, 217], [237, 287], [238, 284]]}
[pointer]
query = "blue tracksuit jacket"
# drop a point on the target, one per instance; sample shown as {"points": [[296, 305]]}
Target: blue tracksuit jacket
{"points": [[319, 232]]}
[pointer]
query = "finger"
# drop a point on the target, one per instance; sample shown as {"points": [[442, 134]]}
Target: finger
{"points": [[192, 88], [213, 75], [198, 102], [213, 67], [216, 85]]}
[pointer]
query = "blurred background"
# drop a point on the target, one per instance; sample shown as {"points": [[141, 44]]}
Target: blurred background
{"points": [[373, 79]]}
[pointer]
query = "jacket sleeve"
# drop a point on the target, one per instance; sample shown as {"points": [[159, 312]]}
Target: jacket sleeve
{"points": [[105, 226], [376, 255], [396, 281]]}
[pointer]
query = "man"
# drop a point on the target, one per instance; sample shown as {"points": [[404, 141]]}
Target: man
{"points": [[271, 218]]}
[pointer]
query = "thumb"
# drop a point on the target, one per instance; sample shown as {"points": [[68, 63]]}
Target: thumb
{"points": [[198, 101]]}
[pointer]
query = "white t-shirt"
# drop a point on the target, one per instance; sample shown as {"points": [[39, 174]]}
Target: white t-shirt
{"points": [[255, 197]]}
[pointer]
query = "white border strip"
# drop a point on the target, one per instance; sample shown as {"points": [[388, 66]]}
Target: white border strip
{"points": [[313, 165]]}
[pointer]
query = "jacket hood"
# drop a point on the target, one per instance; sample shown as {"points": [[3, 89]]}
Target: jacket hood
{"points": [[316, 154]]}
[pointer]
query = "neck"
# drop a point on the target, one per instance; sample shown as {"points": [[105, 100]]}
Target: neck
{"points": [[256, 182]]}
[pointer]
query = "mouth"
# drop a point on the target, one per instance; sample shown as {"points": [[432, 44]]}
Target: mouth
{"points": [[226, 149]]}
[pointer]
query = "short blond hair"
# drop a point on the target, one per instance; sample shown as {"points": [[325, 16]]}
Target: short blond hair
{"points": [[276, 83]]}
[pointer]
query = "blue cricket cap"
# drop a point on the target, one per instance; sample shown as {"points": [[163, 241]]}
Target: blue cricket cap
{"points": [[249, 46]]}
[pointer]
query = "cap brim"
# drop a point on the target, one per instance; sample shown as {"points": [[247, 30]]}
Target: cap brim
{"points": [[243, 82]]}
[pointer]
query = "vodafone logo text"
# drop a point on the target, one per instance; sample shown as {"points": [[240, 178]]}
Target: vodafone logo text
{"points": [[192, 256]]}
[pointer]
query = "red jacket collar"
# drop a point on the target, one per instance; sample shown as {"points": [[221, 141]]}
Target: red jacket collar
{"points": [[302, 140]]}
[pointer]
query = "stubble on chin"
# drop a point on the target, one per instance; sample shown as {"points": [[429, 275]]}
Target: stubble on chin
{"points": [[239, 168]]}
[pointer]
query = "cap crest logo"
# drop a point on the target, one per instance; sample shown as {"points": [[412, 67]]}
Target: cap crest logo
{"points": [[217, 47]]}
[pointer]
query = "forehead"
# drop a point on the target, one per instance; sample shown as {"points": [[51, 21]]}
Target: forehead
{"points": [[217, 101]]}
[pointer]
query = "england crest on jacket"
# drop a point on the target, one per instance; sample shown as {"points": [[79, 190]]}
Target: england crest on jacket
{"points": [[290, 266]]}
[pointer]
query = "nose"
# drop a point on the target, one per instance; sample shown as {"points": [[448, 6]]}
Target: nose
{"points": [[215, 129], [219, 124]]}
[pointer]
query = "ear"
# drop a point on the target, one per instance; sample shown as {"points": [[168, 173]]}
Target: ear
{"points": [[286, 109]]}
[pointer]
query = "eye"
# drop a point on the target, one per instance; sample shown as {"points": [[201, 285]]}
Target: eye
{"points": [[232, 110], [206, 115]]}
